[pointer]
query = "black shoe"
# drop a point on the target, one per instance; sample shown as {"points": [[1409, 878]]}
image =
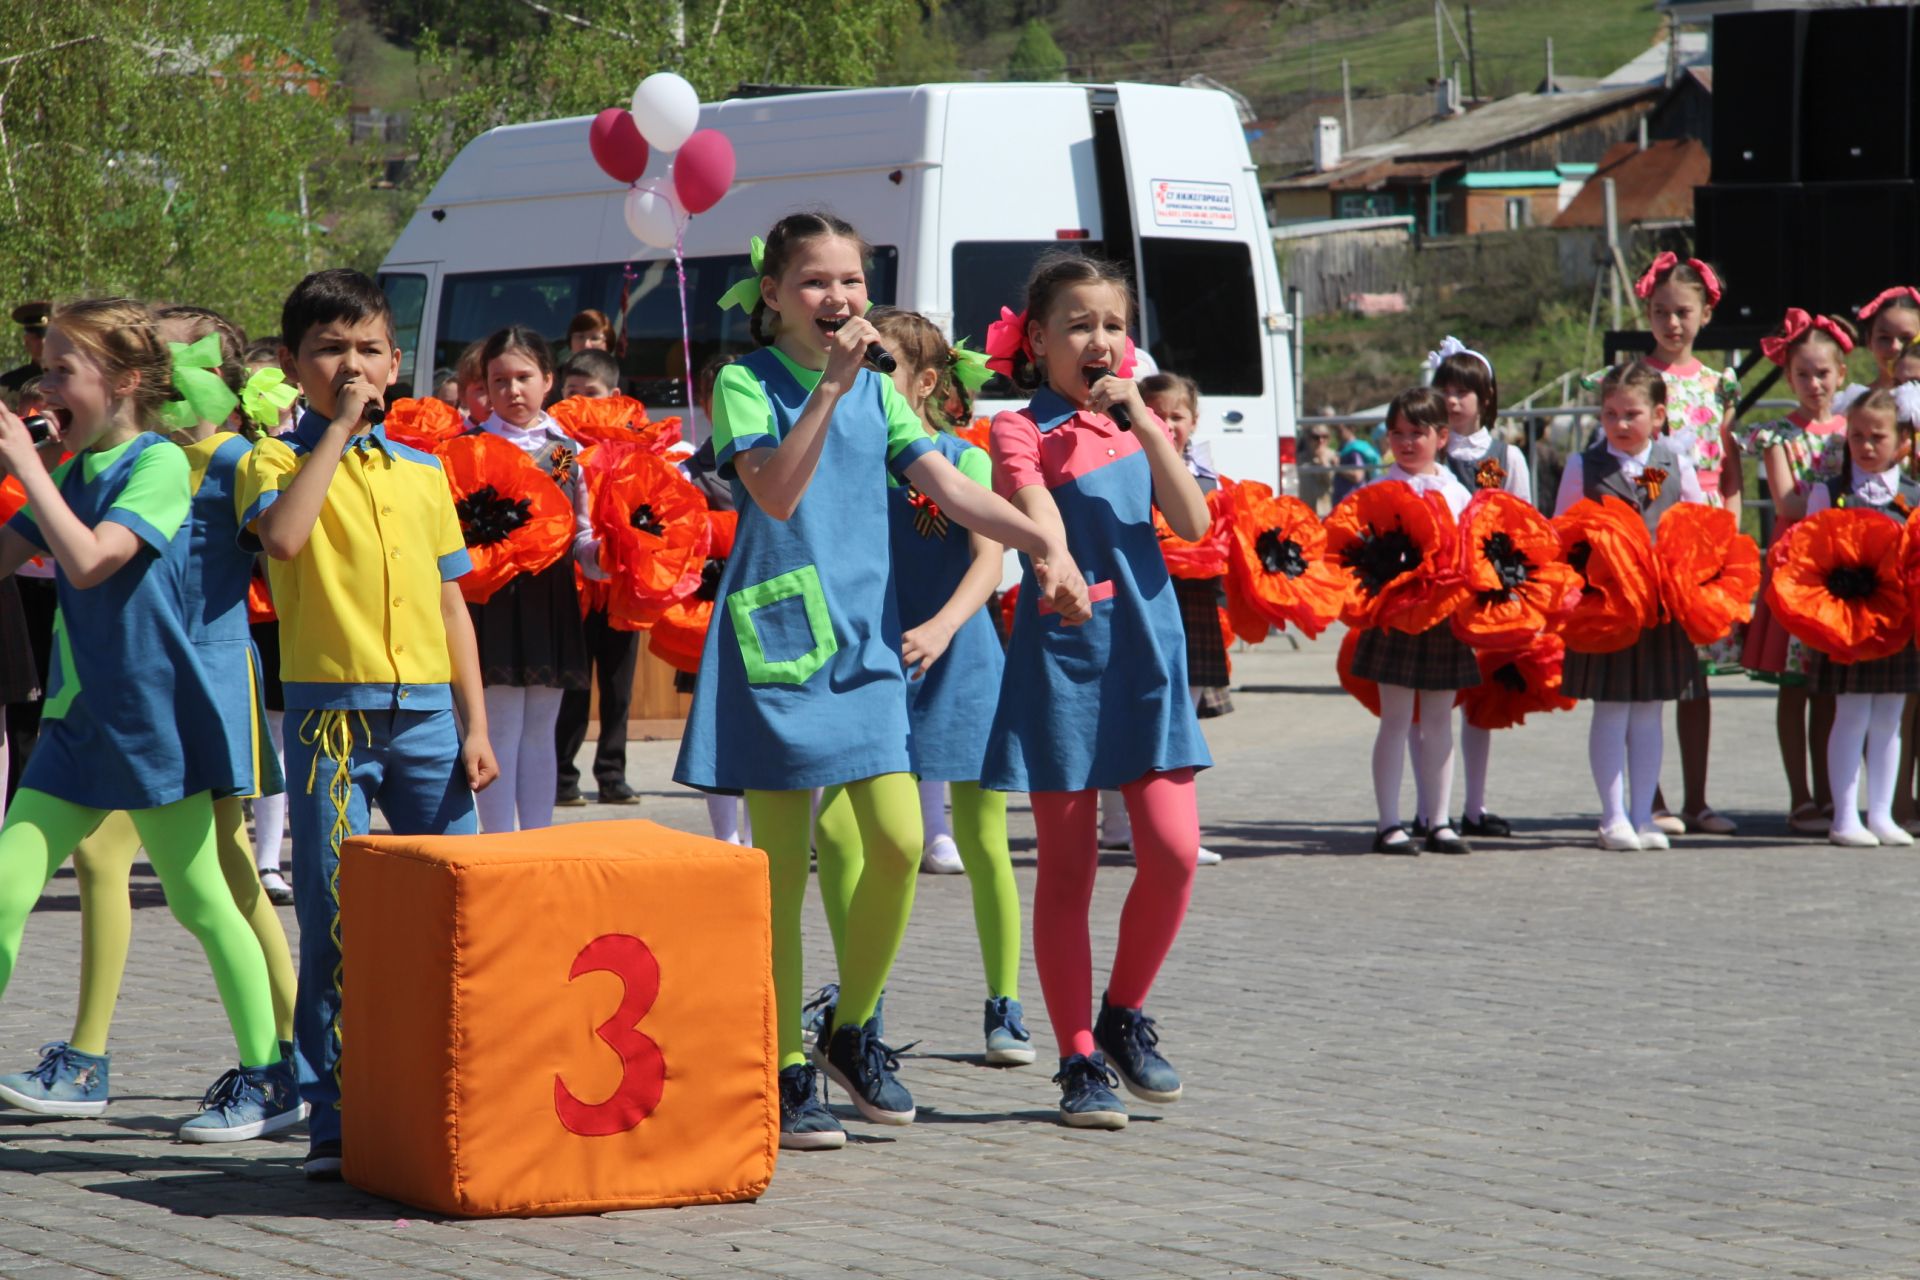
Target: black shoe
{"points": [[1444, 840], [1132, 1048], [1403, 845], [1487, 824], [323, 1162], [569, 798], [617, 792]]}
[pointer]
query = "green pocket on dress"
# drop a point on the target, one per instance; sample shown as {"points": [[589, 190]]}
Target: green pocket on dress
{"points": [[784, 629]]}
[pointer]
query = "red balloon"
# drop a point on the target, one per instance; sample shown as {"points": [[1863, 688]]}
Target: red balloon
{"points": [[703, 170], [617, 146]]}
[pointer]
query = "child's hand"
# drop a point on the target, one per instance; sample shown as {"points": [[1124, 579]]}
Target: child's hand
{"points": [[352, 394], [847, 351], [921, 647], [476, 754], [1060, 581], [17, 448], [1113, 390]]}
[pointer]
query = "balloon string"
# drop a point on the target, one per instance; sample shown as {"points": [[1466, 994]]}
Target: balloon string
{"points": [[686, 333]]}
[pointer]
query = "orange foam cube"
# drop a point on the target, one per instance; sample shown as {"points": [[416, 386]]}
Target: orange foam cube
{"points": [[572, 1020]]}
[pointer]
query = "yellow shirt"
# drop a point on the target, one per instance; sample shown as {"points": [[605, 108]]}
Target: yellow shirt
{"points": [[360, 624]]}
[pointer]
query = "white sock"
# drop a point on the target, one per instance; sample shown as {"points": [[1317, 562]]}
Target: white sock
{"points": [[1390, 752], [1476, 745], [539, 776], [1607, 757], [270, 812], [1883, 758], [1114, 827], [1646, 740], [723, 815], [933, 812], [506, 725], [1433, 769]]}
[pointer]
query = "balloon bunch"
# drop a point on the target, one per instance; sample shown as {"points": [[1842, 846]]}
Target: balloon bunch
{"points": [[664, 116]]}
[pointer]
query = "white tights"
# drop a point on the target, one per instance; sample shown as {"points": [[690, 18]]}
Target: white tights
{"points": [[270, 812], [727, 815], [1869, 722], [1626, 739], [520, 723], [1476, 747], [933, 812], [1433, 760]]}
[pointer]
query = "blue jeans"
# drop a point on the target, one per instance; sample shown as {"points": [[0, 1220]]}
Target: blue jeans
{"points": [[407, 762]]}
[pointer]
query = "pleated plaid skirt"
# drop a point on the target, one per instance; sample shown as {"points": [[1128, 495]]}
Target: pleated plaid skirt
{"points": [[1434, 659], [1662, 666], [1200, 618], [1898, 674]]}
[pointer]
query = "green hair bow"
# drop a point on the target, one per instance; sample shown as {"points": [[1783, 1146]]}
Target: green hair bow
{"points": [[204, 394], [970, 367], [745, 293], [267, 395]]}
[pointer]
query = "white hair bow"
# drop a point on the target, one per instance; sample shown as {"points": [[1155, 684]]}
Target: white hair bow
{"points": [[1452, 346], [1906, 403]]}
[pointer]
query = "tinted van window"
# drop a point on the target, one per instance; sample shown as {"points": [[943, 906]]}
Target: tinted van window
{"points": [[1202, 315], [990, 274], [474, 306]]}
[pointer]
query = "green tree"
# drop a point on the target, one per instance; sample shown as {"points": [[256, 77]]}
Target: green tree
{"points": [[1035, 56], [175, 152]]}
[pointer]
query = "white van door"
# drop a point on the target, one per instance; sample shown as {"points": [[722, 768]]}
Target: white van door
{"points": [[411, 293], [1205, 264]]}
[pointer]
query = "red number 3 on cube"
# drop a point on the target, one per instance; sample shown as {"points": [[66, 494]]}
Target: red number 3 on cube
{"points": [[643, 1071]]}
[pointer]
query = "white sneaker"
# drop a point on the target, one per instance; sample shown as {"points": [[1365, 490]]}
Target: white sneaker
{"points": [[1891, 833], [1207, 858], [1652, 837], [941, 857], [1853, 838], [1619, 838]]}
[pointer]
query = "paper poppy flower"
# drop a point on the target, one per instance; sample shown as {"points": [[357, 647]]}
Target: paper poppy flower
{"points": [[514, 519], [1709, 570], [13, 496], [652, 526], [425, 424], [260, 599], [680, 636], [1277, 567], [978, 433], [1838, 585], [662, 434], [1397, 554], [1226, 637], [1516, 683], [1606, 542], [1365, 692], [1009, 600], [1518, 580], [595, 419], [1207, 557]]}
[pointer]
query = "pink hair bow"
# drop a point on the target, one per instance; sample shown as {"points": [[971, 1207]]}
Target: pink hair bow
{"points": [[1795, 325], [1650, 279], [1125, 368], [1888, 295], [1006, 339]]}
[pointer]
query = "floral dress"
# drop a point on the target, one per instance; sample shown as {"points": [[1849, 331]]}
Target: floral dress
{"points": [[1814, 453], [1698, 401]]}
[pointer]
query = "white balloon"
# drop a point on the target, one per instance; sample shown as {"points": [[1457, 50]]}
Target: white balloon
{"points": [[654, 216], [667, 110]]}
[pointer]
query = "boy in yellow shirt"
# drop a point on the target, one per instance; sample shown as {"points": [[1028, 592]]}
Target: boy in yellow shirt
{"points": [[376, 651]]}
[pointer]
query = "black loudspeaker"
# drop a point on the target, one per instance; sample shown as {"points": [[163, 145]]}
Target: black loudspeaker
{"points": [[1855, 101], [1858, 238], [1752, 235], [1756, 96]]}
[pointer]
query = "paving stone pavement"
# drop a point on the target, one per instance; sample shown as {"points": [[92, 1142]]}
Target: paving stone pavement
{"points": [[1539, 1061]]}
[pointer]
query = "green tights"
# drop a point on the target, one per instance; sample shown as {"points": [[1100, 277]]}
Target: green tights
{"points": [[878, 892], [41, 830], [103, 864], [980, 832]]}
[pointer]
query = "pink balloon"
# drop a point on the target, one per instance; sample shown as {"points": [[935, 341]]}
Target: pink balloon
{"points": [[617, 145], [703, 170]]}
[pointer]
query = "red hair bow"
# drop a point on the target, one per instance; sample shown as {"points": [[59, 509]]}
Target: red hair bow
{"points": [[1650, 279], [1888, 295], [1007, 338], [1795, 325]]}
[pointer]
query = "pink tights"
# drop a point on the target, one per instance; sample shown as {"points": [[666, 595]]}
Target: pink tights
{"points": [[1166, 840]]}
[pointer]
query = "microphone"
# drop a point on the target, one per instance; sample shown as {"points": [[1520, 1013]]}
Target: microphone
{"points": [[374, 414], [1093, 374], [877, 356]]}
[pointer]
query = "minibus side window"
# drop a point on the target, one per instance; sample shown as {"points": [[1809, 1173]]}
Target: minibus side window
{"points": [[1202, 316], [472, 307], [990, 274], [407, 297]]}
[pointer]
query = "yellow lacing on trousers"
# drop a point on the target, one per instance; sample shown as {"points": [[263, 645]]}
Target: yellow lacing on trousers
{"points": [[332, 734]]}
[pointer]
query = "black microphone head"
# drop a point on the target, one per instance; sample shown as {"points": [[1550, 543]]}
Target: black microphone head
{"points": [[1094, 372], [374, 414], [881, 358]]}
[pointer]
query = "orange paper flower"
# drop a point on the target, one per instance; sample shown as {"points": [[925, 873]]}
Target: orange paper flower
{"points": [[654, 539], [1518, 581], [425, 424], [596, 419], [514, 519], [1226, 636], [260, 598], [1008, 600], [680, 636], [1709, 570], [1277, 566], [1838, 584], [1515, 683], [1206, 558], [13, 496], [1606, 542], [977, 433], [1398, 556], [1365, 692]]}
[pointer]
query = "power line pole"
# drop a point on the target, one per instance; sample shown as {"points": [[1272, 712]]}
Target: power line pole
{"points": [[1439, 47], [1473, 63], [1346, 99]]}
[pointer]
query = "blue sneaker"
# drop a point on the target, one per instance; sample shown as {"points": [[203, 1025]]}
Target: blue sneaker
{"points": [[1009, 1043], [1127, 1037], [1087, 1097], [805, 1122], [66, 1083], [816, 1016], [861, 1064], [247, 1102]]}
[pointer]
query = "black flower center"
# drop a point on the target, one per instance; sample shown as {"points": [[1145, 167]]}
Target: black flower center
{"points": [[643, 520], [1280, 554], [1508, 676], [1380, 556], [487, 516], [709, 588], [1852, 581], [1509, 562]]}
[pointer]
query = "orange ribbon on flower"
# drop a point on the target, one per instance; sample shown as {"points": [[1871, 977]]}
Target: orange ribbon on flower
{"points": [[513, 518], [1709, 570]]}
